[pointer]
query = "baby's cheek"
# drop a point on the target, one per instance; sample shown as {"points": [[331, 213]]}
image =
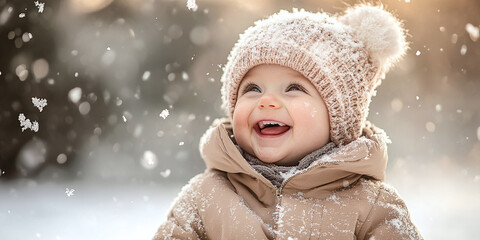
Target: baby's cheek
{"points": [[305, 109]]}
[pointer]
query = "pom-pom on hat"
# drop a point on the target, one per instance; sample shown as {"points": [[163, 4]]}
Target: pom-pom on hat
{"points": [[344, 56]]}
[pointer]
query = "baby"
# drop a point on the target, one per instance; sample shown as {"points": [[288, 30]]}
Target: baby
{"points": [[296, 158]]}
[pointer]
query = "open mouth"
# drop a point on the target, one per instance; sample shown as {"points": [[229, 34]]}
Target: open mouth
{"points": [[271, 128]]}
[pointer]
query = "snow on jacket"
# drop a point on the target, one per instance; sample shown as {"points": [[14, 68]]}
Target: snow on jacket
{"points": [[340, 196]]}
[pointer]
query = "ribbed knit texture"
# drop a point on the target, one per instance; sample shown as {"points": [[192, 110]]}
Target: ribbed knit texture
{"points": [[275, 173], [331, 54]]}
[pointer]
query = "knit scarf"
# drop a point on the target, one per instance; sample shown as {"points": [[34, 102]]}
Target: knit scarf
{"points": [[277, 174]]}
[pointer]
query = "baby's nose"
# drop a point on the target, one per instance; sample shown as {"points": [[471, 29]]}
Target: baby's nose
{"points": [[268, 101]]}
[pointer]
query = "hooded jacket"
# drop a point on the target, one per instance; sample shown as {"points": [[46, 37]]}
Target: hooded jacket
{"points": [[341, 195]]}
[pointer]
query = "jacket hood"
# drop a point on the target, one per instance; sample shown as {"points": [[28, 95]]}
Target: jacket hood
{"points": [[340, 167]]}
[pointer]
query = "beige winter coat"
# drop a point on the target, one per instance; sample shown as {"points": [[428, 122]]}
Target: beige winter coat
{"points": [[340, 196]]}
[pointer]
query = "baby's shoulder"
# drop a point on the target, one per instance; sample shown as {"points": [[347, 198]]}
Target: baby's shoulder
{"points": [[209, 181], [366, 193]]}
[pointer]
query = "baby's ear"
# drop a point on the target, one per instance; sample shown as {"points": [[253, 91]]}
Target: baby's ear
{"points": [[382, 33]]}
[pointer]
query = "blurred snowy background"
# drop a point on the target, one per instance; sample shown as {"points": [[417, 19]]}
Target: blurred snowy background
{"points": [[131, 85]]}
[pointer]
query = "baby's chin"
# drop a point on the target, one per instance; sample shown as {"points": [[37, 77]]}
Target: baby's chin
{"points": [[277, 160]]}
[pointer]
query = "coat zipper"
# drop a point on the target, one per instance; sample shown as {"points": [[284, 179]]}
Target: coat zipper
{"points": [[278, 199]]}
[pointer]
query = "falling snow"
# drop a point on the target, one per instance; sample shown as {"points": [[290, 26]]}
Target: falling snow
{"points": [[69, 192], [40, 103], [463, 50], [25, 123], [40, 6], [149, 160], [165, 173], [164, 114], [75, 94], [146, 76], [192, 5], [472, 31]]}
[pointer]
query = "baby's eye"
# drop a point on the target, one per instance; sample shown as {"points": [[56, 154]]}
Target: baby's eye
{"points": [[295, 87], [252, 88]]}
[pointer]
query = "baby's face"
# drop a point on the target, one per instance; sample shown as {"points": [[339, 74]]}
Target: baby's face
{"points": [[279, 115]]}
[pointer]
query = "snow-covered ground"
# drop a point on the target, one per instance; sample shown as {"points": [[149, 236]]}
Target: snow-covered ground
{"points": [[444, 204], [96, 210]]}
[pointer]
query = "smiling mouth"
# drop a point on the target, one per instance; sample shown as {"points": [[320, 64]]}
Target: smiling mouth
{"points": [[271, 128]]}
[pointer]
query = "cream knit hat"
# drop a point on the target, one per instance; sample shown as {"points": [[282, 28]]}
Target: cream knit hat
{"points": [[344, 56]]}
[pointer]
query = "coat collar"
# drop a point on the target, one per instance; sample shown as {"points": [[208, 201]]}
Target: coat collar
{"points": [[342, 166]]}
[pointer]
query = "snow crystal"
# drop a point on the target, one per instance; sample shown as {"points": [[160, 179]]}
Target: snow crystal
{"points": [[418, 53], [438, 107], [181, 143], [149, 160], [22, 72], [124, 118], [146, 76], [185, 76], [21, 15], [40, 6], [2, 172], [84, 108], [164, 114], [286, 175], [334, 198], [62, 158], [76, 74], [165, 173], [75, 94], [463, 50], [69, 192], [118, 101], [25, 123], [40, 103], [192, 5], [40, 68], [26, 37], [473, 31]]}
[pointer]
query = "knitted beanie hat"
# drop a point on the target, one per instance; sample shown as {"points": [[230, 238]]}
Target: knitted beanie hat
{"points": [[344, 56]]}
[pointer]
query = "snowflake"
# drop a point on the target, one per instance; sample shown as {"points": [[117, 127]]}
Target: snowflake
{"points": [[192, 5], [25, 123], [164, 114], [40, 6], [69, 192], [166, 173], [473, 31], [40, 103]]}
